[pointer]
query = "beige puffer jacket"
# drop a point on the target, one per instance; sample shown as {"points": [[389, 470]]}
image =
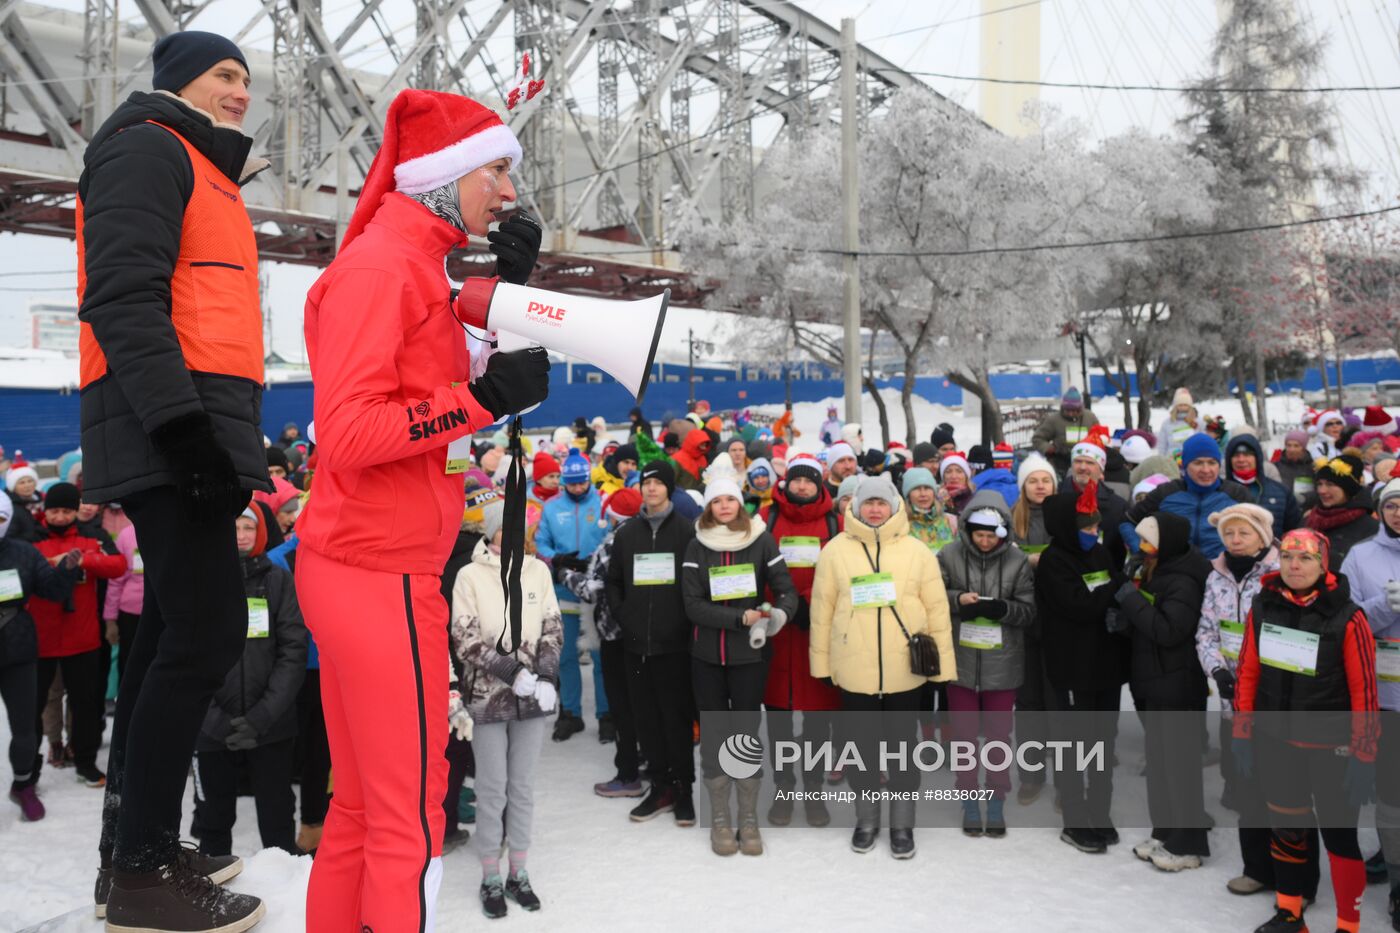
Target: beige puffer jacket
{"points": [[863, 650]]}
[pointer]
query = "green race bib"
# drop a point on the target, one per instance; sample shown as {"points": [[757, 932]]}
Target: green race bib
{"points": [[1388, 660], [11, 587], [733, 582], [1097, 579], [653, 569], [1033, 548], [800, 552], [983, 634], [1288, 649], [873, 591], [258, 622], [138, 566], [1231, 638]]}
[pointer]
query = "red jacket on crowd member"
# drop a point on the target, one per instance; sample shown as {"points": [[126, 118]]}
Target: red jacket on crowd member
{"points": [[74, 626], [790, 681]]}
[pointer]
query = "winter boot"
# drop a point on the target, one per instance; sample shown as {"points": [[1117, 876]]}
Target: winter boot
{"points": [[26, 795], [566, 726], [902, 828], [750, 842], [518, 889], [780, 813], [1375, 869], [722, 841], [175, 897], [617, 787], [1166, 860], [1283, 921], [867, 826], [972, 818], [607, 731], [309, 836], [1085, 840], [660, 798], [1147, 848], [684, 811], [816, 813], [996, 817], [1245, 885], [219, 869], [1029, 792], [493, 897]]}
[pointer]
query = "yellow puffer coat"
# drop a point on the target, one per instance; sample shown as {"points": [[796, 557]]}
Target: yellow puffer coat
{"points": [[863, 650], [607, 483]]}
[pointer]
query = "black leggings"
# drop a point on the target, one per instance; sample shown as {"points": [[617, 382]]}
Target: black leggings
{"points": [[17, 691], [1303, 784], [728, 697], [315, 750], [85, 703]]}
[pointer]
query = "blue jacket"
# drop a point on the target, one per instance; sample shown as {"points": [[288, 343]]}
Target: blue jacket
{"points": [[573, 527], [1264, 492], [1193, 503], [1002, 481], [1368, 567]]}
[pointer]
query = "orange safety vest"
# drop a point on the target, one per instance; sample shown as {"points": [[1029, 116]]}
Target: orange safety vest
{"points": [[214, 288]]}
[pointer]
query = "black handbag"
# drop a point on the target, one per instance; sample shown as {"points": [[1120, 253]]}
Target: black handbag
{"points": [[923, 651]]}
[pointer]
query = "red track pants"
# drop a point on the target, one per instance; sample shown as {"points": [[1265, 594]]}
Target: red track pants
{"points": [[383, 644]]}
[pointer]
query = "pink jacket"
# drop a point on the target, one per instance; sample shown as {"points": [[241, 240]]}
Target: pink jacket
{"points": [[126, 592]]}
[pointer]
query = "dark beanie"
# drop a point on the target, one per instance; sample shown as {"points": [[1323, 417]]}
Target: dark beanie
{"points": [[925, 451], [626, 452], [277, 457], [181, 57], [941, 437], [62, 496], [660, 469]]}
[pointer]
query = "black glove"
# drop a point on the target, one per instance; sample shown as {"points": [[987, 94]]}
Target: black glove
{"points": [[993, 609], [205, 479], [1115, 622], [559, 566], [516, 244], [243, 736], [1225, 683], [1124, 591], [513, 381]]}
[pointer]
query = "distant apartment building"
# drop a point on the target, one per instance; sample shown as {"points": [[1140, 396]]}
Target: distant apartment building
{"points": [[53, 327]]}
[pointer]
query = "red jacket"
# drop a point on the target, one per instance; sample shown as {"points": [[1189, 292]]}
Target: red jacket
{"points": [[389, 362], [790, 681], [74, 626], [693, 455]]}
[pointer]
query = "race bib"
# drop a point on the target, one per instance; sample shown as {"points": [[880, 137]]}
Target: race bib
{"points": [[1074, 433], [569, 608], [1288, 649], [11, 587], [734, 582], [1388, 660], [1033, 548], [653, 569], [1231, 638], [982, 634], [873, 591], [1097, 579], [459, 455], [138, 566], [800, 552], [258, 622], [1302, 486]]}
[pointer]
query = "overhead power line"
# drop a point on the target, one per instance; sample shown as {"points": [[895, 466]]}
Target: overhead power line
{"points": [[1174, 89]]}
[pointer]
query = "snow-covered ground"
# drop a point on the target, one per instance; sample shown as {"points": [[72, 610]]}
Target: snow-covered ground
{"points": [[595, 870]]}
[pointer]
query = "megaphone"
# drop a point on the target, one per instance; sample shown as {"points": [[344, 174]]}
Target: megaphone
{"points": [[619, 337]]}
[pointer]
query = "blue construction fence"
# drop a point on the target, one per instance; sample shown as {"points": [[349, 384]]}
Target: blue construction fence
{"points": [[44, 423]]}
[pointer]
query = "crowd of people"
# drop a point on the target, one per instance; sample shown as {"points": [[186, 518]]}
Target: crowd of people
{"points": [[713, 567]]}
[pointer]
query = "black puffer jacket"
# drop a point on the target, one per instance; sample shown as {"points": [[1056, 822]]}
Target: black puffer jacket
{"points": [[19, 643], [718, 634], [652, 616], [134, 187], [1163, 615], [263, 685], [1080, 652]]}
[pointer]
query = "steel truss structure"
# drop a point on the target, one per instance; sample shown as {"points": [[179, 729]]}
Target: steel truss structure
{"points": [[650, 111]]}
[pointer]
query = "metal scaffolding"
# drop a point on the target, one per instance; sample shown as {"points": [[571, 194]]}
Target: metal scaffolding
{"points": [[680, 89]]}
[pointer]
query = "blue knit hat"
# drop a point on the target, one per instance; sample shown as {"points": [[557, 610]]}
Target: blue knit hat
{"points": [[918, 476], [1198, 446], [576, 468], [1072, 400]]}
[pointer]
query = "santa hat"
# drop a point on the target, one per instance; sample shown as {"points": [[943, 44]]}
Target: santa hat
{"points": [[430, 138], [622, 504], [17, 473], [1086, 507], [1378, 420], [1325, 418], [958, 459]]}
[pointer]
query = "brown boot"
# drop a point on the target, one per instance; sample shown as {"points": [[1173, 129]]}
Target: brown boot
{"points": [[177, 899], [309, 837], [750, 842], [722, 841]]}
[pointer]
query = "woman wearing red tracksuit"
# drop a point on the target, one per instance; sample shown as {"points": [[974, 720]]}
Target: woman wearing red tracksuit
{"points": [[390, 364], [802, 522]]}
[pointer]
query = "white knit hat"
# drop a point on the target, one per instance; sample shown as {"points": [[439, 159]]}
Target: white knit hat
{"points": [[839, 451], [1034, 463], [1136, 449], [722, 486]]}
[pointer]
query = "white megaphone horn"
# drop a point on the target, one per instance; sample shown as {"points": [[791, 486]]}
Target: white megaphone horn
{"points": [[619, 337]]}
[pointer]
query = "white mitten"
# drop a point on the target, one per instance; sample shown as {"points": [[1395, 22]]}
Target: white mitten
{"points": [[776, 620], [546, 696], [524, 685], [457, 716], [758, 633], [1392, 595]]}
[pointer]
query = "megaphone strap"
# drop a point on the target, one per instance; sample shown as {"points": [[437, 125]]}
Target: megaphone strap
{"points": [[513, 538]]}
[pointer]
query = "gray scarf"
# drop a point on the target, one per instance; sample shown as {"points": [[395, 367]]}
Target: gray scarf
{"points": [[443, 202]]}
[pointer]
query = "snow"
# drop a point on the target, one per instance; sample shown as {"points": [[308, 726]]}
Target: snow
{"points": [[596, 870]]}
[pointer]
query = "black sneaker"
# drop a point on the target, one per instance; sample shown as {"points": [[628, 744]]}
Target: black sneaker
{"points": [[902, 843], [685, 805], [1085, 840], [1282, 921], [1395, 910], [1109, 836], [607, 729], [566, 726], [175, 897], [518, 889], [91, 776], [1375, 869], [219, 869], [660, 799], [493, 898]]}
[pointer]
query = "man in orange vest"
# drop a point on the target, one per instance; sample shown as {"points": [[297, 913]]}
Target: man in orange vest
{"points": [[171, 373]]}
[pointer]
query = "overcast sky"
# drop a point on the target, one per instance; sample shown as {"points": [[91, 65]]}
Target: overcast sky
{"points": [[1082, 41]]}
